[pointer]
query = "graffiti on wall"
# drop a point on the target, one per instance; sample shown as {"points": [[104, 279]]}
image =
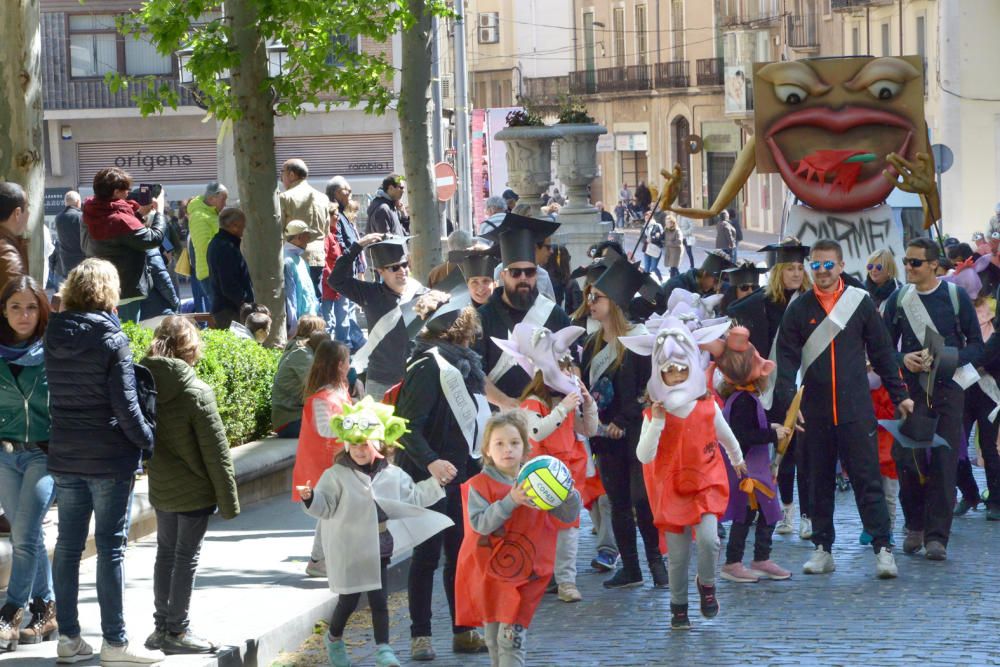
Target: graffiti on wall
{"points": [[860, 234]]}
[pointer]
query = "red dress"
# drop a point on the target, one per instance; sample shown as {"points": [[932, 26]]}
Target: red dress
{"points": [[501, 577], [565, 446], [884, 409], [316, 452], [688, 477]]}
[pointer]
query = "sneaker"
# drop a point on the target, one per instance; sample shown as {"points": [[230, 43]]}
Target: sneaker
{"points": [[569, 593], [913, 542], [821, 562], [622, 579], [709, 603], [963, 506], [768, 569], [316, 568], [805, 528], [10, 625], [187, 642], [128, 655], [679, 617], [42, 627], [885, 565], [421, 649], [784, 526], [604, 561], [737, 573], [73, 649], [336, 652], [469, 641], [936, 551], [658, 570], [154, 642], [384, 657]]}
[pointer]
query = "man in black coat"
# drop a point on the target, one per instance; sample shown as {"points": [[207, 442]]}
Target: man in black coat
{"points": [[228, 271], [705, 281], [68, 224], [827, 333]]}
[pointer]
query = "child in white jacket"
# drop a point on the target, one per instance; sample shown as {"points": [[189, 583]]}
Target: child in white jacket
{"points": [[371, 510]]}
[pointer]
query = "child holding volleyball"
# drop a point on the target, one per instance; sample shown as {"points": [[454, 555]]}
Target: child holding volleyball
{"points": [[508, 552], [370, 510]]}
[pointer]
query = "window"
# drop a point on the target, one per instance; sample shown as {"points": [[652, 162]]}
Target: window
{"points": [[886, 40], [634, 167], [856, 41], [677, 28], [351, 43], [489, 27], [96, 48], [618, 30], [640, 35]]}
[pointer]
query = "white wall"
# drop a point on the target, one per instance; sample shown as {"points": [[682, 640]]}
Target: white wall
{"points": [[544, 28]]}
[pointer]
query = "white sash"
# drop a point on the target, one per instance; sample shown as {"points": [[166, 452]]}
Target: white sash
{"points": [[920, 320], [537, 316], [603, 359], [767, 382], [835, 322], [470, 413], [989, 386], [385, 324]]}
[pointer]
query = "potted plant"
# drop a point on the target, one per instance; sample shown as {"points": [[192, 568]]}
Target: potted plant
{"points": [[573, 112]]}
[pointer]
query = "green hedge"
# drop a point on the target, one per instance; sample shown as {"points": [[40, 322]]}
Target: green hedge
{"points": [[240, 373]]}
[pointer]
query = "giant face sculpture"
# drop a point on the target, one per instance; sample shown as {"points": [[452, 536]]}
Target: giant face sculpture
{"points": [[826, 125]]}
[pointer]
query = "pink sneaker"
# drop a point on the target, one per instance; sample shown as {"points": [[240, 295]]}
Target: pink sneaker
{"points": [[768, 569], [738, 573]]}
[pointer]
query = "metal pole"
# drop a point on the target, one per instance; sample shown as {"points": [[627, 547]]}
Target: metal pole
{"points": [[900, 27], [437, 114], [464, 215]]}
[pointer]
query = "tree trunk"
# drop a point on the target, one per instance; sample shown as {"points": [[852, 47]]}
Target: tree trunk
{"points": [[253, 139], [21, 143], [414, 103]]}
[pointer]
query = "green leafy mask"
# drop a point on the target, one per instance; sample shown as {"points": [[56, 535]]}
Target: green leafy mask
{"points": [[367, 420]]}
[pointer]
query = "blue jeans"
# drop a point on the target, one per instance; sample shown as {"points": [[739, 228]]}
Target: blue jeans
{"points": [[651, 265], [289, 430], [26, 492], [342, 321], [110, 502], [130, 312]]}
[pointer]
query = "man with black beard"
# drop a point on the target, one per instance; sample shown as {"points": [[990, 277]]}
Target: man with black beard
{"points": [[515, 300]]}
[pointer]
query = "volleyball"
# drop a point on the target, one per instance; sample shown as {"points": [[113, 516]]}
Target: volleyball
{"points": [[546, 480]]}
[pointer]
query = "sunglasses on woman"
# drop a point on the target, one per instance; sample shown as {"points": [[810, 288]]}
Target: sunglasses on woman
{"points": [[876, 267], [826, 266], [527, 273], [593, 297], [746, 287]]}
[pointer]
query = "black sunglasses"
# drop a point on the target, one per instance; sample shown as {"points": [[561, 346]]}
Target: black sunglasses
{"points": [[527, 273], [398, 267], [913, 262], [746, 287]]}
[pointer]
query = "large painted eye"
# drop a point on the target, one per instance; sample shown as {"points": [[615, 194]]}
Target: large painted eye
{"points": [[885, 89], [790, 93]]}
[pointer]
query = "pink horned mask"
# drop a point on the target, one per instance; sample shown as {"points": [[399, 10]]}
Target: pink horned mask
{"points": [[538, 349], [671, 345], [966, 275]]}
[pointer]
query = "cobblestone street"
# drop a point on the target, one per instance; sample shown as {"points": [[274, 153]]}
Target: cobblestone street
{"points": [[933, 614]]}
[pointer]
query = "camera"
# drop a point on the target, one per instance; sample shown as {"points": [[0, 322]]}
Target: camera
{"points": [[146, 193]]}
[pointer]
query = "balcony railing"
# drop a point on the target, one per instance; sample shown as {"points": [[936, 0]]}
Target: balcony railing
{"points": [[546, 89], [95, 94], [709, 71], [846, 5], [802, 31], [674, 74], [611, 80]]}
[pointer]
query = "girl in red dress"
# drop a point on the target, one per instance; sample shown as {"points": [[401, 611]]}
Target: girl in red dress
{"points": [[508, 552]]}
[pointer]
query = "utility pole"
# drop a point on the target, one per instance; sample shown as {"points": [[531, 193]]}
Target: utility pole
{"points": [[462, 156], [437, 114]]}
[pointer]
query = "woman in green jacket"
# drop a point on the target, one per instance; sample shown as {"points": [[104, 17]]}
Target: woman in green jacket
{"points": [[190, 475], [296, 360], [26, 488]]}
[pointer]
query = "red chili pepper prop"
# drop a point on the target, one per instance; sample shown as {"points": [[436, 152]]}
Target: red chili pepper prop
{"points": [[843, 165]]}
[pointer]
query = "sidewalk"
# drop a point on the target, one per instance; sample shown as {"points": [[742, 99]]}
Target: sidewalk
{"points": [[705, 241]]}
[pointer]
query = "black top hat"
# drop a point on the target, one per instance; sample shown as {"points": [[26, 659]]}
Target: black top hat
{"points": [[622, 279], [715, 263], [918, 431], [593, 271], [439, 320], [518, 235], [944, 364], [475, 262], [788, 251], [745, 273], [390, 250]]}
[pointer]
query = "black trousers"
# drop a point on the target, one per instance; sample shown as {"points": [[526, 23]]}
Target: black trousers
{"points": [[795, 459], [316, 275], [977, 410], [738, 538], [378, 603], [856, 444], [425, 563], [178, 547], [621, 474], [927, 476]]}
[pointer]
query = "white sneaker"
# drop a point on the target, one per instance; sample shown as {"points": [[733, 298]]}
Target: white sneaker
{"points": [[128, 655], [885, 565], [73, 649], [805, 528], [316, 568], [820, 563], [784, 526]]}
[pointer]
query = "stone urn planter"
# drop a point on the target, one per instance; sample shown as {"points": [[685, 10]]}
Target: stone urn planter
{"points": [[577, 168], [529, 164]]}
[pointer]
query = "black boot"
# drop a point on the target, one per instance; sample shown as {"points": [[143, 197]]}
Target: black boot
{"points": [[679, 617], [658, 571], [624, 578]]}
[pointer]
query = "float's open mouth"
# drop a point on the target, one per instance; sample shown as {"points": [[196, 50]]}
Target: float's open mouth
{"points": [[841, 178]]}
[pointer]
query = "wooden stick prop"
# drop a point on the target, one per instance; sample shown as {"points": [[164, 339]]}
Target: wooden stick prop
{"points": [[791, 417]]}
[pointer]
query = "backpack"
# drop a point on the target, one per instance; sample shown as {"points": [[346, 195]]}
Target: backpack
{"points": [[952, 293]]}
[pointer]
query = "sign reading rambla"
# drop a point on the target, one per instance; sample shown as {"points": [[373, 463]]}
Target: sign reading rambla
{"points": [[147, 162]]}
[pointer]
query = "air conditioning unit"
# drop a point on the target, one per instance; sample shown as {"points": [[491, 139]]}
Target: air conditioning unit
{"points": [[489, 27]]}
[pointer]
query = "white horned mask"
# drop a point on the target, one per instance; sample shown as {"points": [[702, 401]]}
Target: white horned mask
{"points": [[538, 349]]}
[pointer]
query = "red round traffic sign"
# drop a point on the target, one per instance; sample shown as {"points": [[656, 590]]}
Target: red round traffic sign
{"points": [[445, 181]]}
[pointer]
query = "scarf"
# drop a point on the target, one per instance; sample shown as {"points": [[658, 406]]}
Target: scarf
{"points": [[26, 354], [465, 359]]}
